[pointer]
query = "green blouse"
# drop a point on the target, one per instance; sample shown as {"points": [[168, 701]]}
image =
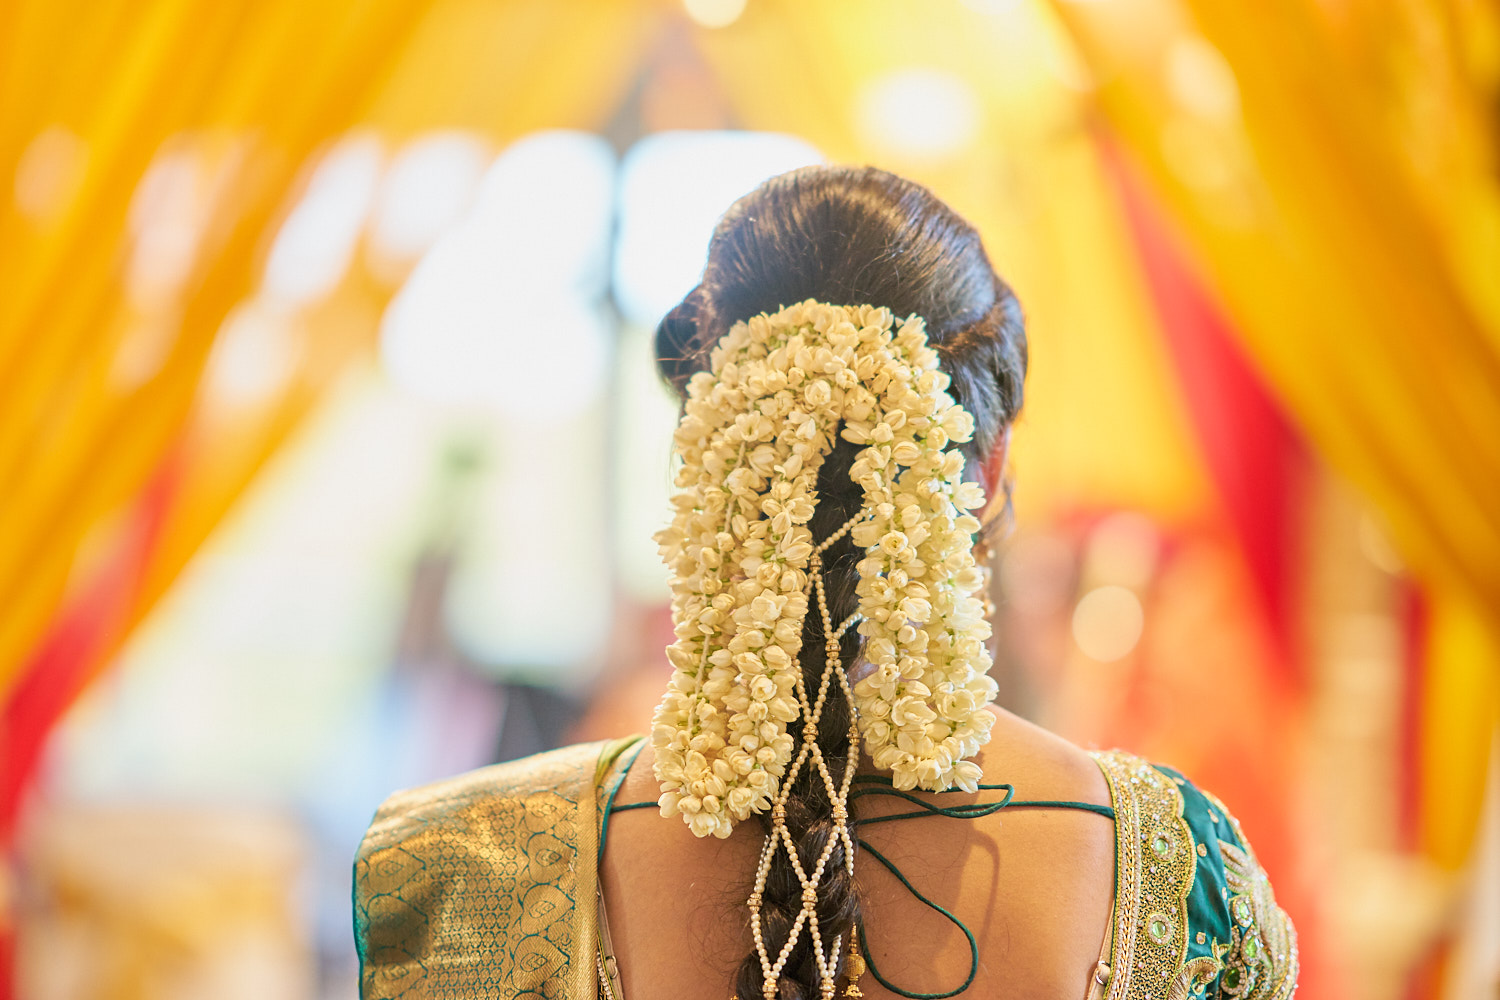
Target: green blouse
{"points": [[487, 885]]}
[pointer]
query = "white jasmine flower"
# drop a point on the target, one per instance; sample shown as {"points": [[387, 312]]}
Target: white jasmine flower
{"points": [[755, 430]]}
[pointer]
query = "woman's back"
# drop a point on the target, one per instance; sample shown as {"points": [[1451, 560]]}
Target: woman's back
{"points": [[499, 883], [1034, 886], [830, 658]]}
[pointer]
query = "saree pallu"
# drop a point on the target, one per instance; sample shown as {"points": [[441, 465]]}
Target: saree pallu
{"points": [[486, 885]]}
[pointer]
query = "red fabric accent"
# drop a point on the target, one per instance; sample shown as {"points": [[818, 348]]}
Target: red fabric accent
{"points": [[86, 629], [1416, 622], [1258, 462], [1252, 452], [66, 659]]}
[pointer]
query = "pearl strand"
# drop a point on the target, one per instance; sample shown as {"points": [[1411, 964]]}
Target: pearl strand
{"points": [[838, 794]]}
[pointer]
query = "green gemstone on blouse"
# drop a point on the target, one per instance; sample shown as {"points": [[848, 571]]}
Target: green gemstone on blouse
{"points": [[1241, 908], [1161, 845], [1158, 928], [1231, 979], [1251, 948]]}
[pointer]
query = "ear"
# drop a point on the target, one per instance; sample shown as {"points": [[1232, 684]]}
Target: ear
{"points": [[994, 472]]}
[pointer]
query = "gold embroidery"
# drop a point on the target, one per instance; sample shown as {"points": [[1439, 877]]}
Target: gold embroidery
{"points": [[1155, 864], [1193, 978], [1262, 957], [468, 887]]}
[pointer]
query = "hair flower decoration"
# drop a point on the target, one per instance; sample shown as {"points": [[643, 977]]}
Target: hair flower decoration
{"points": [[754, 432]]}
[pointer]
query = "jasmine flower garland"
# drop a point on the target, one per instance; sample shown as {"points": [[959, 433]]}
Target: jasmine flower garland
{"points": [[753, 436]]}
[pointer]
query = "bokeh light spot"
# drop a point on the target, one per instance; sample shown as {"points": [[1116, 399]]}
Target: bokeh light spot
{"points": [[674, 186], [1200, 79], [1107, 623], [316, 244], [924, 114], [430, 183], [714, 13]]}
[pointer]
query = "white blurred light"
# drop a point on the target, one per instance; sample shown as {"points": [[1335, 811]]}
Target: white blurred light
{"points": [[1199, 78], [544, 211], [254, 356], [531, 590], [674, 186], [167, 214], [429, 184], [919, 113], [316, 244], [644, 414], [447, 341], [48, 172], [1107, 623], [502, 311], [714, 13]]}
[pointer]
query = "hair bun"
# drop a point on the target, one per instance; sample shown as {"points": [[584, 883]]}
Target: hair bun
{"points": [[679, 346]]}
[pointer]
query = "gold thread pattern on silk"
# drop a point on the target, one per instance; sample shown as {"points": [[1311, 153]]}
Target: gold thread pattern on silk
{"points": [[471, 887], [1154, 869]]}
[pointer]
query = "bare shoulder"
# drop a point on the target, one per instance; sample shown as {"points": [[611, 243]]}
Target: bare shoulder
{"points": [[1034, 886], [1039, 763]]}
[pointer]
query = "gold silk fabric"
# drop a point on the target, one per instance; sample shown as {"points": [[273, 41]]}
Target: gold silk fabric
{"points": [[486, 885]]}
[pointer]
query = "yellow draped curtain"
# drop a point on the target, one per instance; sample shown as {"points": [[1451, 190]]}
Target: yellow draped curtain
{"points": [[108, 328]]}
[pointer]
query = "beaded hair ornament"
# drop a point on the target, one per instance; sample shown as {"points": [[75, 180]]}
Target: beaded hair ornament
{"points": [[745, 570]]}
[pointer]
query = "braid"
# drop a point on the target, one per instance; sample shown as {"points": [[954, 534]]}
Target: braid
{"points": [[809, 814]]}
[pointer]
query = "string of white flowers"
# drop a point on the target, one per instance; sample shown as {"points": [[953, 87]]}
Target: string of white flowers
{"points": [[754, 433]]}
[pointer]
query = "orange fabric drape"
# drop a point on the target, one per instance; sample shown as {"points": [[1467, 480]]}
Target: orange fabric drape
{"points": [[1333, 170]]}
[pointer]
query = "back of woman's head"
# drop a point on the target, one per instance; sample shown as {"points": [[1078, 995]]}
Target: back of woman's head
{"points": [[847, 236], [859, 236]]}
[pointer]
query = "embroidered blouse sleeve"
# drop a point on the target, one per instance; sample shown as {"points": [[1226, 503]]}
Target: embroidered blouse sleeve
{"points": [[1256, 940], [1194, 913]]}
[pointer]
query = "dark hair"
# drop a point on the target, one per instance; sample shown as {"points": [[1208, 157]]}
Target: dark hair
{"points": [[847, 236]]}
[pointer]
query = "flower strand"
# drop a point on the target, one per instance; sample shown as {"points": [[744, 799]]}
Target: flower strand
{"points": [[755, 431]]}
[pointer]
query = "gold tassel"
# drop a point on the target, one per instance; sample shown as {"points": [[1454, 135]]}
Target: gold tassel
{"points": [[855, 967]]}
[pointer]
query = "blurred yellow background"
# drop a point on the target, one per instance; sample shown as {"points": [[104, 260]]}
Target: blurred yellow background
{"points": [[331, 447]]}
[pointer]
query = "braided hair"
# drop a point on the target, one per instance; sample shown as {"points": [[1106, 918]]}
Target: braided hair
{"points": [[847, 235]]}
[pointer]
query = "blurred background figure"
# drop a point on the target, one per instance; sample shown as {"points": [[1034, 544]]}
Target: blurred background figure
{"points": [[279, 532]]}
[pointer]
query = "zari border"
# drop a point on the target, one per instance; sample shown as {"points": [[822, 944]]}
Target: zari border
{"points": [[581, 972], [1155, 866]]}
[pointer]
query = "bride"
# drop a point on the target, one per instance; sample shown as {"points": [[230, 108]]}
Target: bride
{"points": [[836, 808]]}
